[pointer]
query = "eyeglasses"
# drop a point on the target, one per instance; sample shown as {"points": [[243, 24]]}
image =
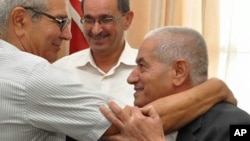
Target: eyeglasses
{"points": [[106, 22], [62, 22]]}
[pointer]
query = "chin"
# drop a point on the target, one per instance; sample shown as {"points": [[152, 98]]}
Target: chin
{"points": [[139, 104], [52, 59]]}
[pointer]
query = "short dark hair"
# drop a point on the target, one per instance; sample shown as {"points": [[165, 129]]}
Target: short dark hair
{"points": [[123, 5]]}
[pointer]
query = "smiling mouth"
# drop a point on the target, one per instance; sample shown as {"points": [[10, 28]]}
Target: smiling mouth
{"points": [[138, 89], [98, 37], [58, 44]]}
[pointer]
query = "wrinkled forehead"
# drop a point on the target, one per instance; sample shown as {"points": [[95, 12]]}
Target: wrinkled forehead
{"points": [[149, 45], [147, 50]]}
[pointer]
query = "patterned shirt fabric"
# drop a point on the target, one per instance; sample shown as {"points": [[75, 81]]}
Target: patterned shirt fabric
{"points": [[81, 67], [39, 102]]}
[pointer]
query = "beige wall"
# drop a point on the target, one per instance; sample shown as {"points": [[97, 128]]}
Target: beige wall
{"points": [[212, 35], [140, 24], [202, 15]]}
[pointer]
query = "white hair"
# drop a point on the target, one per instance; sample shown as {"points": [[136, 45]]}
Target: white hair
{"points": [[174, 42], [6, 6]]}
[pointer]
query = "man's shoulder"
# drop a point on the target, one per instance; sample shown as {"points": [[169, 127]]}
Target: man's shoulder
{"points": [[215, 124], [223, 114], [228, 108], [72, 58], [226, 113]]}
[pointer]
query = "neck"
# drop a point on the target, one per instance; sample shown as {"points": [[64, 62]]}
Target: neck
{"points": [[106, 61]]}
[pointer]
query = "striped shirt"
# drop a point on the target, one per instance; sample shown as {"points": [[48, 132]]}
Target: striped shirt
{"points": [[39, 102]]}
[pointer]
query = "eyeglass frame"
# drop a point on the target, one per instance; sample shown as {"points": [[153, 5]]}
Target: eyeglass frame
{"points": [[101, 21], [62, 22]]}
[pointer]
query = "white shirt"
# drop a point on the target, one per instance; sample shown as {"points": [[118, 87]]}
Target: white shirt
{"points": [[172, 136], [39, 102], [82, 67]]}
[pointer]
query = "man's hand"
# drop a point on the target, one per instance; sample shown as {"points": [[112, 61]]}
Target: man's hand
{"points": [[135, 124]]}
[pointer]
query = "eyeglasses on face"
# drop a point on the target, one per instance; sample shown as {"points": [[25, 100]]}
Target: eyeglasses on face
{"points": [[106, 22], [63, 22]]}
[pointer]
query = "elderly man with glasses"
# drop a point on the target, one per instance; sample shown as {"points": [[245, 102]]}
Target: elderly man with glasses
{"points": [[37, 101]]}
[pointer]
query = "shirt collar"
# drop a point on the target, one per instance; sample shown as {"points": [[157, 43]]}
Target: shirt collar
{"points": [[127, 57], [8, 46]]}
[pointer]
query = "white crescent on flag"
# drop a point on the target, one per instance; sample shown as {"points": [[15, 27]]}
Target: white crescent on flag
{"points": [[76, 16]]}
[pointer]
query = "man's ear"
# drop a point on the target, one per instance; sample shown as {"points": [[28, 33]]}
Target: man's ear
{"points": [[181, 69], [19, 20], [128, 17]]}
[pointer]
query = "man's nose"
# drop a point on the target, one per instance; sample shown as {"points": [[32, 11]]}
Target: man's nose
{"points": [[66, 34], [97, 28], [133, 77]]}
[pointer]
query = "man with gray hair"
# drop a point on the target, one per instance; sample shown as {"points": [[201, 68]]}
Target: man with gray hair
{"points": [[171, 60], [37, 101]]}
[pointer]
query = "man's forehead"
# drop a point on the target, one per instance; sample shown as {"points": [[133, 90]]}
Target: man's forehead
{"points": [[144, 56], [99, 5]]}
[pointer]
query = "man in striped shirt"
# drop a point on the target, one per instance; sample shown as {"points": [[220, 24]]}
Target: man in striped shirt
{"points": [[39, 102]]}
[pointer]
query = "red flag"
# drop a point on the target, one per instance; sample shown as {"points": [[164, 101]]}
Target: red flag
{"points": [[78, 41]]}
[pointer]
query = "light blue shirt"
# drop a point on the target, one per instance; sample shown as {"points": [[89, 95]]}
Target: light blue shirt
{"points": [[39, 102]]}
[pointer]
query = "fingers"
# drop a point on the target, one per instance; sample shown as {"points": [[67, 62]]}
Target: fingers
{"points": [[136, 113], [116, 115], [113, 138], [149, 111], [118, 111], [110, 116], [137, 124]]}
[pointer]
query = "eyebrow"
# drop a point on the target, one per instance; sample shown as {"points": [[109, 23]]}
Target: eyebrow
{"points": [[100, 16], [140, 60]]}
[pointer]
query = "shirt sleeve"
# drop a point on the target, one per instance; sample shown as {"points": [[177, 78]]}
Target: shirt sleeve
{"points": [[56, 103]]}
